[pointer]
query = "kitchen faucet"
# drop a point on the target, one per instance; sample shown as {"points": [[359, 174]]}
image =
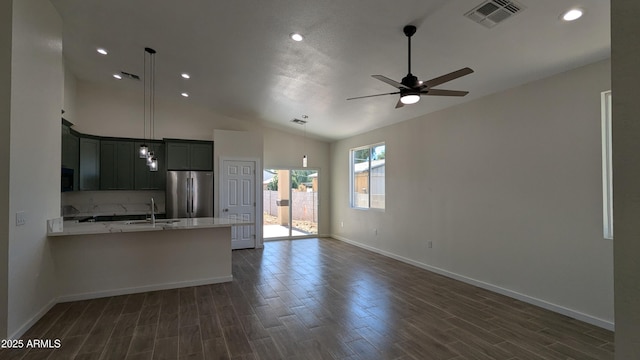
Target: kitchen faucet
{"points": [[153, 214]]}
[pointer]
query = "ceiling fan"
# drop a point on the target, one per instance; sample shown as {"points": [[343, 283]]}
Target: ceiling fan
{"points": [[411, 88]]}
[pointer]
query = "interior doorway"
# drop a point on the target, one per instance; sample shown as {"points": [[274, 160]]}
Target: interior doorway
{"points": [[290, 204]]}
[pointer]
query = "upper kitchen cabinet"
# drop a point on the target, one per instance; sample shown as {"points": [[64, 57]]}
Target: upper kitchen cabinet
{"points": [[117, 164], [189, 155], [89, 177], [150, 180], [71, 152]]}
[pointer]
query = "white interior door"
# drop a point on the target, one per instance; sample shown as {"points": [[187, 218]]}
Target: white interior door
{"points": [[238, 200]]}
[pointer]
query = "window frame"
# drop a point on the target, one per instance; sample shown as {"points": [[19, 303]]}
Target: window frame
{"points": [[607, 165], [352, 193]]}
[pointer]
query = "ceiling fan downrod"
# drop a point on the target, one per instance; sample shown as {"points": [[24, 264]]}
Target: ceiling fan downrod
{"points": [[409, 30], [409, 80]]}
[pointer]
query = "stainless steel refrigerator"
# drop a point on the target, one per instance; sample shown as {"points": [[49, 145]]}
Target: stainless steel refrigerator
{"points": [[189, 194]]}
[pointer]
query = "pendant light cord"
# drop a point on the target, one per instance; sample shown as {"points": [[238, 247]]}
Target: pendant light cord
{"points": [[144, 102], [153, 96]]}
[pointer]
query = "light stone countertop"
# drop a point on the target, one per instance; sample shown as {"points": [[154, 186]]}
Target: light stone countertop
{"points": [[86, 228]]}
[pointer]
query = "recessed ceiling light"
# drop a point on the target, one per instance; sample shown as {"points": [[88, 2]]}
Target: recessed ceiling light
{"points": [[117, 76], [102, 51], [573, 14], [185, 76], [185, 94], [296, 37]]}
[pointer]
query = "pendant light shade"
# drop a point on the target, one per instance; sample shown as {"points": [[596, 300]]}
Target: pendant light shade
{"points": [[153, 166], [143, 151], [150, 156]]}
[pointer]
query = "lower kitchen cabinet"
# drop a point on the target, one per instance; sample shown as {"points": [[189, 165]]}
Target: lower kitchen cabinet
{"points": [[89, 177], [116, 164], [150, 180]]}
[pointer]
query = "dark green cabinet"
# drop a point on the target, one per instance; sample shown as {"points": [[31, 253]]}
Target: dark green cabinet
{"points": [[177, 156], [71, 153], [201, 156], [89, 177], [116, 164], [150, 180], [110, 163], [189, 155]]}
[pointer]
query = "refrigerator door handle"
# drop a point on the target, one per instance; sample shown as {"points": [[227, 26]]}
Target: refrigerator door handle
{"points": [[188, 196], [192, 197]]}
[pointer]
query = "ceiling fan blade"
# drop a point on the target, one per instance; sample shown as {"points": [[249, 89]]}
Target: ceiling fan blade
{"points": [[389, 81], [368, 96], [399, 104], [445, 78], [442, 92]]}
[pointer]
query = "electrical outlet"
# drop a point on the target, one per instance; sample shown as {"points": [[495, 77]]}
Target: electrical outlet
{"points": [[341, 223], [375, 231], [430, 244], [21, 218]]}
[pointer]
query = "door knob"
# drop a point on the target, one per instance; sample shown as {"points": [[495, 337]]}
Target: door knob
{"points": [[226, 210]]}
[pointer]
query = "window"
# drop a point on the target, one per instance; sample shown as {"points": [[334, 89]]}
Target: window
{"points": [[607, 172], [367, 176]]}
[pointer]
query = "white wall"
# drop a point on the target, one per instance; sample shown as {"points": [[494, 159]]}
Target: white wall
{"points": [[6, 13], [69, 104], [508, 189], [626, 175], [34, 179], [117, 111]]}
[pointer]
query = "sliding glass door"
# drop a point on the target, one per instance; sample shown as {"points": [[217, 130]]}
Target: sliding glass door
{"points": [[290, 203]]}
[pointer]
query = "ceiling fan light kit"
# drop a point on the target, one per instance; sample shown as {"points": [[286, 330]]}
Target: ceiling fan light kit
{"points": [[410, 88], [409, 98]]}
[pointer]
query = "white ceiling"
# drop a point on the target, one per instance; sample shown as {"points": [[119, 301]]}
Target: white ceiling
{"points": [[244, 65]]}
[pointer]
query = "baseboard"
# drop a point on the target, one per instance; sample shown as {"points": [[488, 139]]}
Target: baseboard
{"points": [[146, 288], [27, 325], [513, 294]]}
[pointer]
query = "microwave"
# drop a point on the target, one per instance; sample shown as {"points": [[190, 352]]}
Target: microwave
{"points": [[66, 179]]}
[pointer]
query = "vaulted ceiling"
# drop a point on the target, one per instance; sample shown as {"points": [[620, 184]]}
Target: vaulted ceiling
{"points": [[243, 64]]}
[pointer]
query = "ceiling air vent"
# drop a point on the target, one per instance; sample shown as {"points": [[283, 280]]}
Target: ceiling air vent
{"points": [[130, 75], [492, 12]]}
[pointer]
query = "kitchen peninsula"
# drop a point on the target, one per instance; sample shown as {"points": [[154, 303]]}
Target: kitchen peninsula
{"points": [[97, 259]]}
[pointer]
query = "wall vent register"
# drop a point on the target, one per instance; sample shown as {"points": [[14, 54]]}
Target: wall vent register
{"points": [[492, 12]]}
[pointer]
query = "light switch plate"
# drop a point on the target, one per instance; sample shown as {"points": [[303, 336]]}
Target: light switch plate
{"points": [[21, 218]]}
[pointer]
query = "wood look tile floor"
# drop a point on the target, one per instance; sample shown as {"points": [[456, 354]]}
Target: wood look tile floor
{"points": [[315, 299]]}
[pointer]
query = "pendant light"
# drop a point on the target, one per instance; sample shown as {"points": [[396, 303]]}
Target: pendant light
{"points": [[304, 144], [145, 151]]}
